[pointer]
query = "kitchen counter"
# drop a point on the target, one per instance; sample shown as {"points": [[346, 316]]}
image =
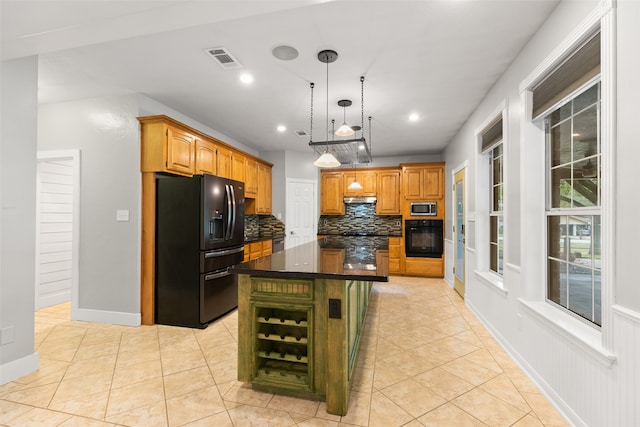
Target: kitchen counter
{"points": [[363, 258], [301, 313], [261, 238]]}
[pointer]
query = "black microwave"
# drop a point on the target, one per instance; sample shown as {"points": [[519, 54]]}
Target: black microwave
{"points": [[424, 209]]}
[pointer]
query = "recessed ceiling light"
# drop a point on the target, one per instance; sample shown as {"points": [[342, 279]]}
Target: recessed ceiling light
{"points": [[414, 117], [284, 52], [281, 128], [246, 78]]}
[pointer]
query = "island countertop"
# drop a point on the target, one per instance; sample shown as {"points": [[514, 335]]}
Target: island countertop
{"points": [[332, 257]]}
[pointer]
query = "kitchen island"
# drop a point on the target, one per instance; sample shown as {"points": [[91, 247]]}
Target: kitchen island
{"points": [[301, 313]]}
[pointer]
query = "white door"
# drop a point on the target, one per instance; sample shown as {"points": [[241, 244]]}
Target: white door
{"points": [[458, 233], [302, 208], [56, 210]]}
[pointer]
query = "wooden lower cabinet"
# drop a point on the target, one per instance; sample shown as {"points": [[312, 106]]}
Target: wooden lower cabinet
{"points": [[395, 251], [424, 267]]}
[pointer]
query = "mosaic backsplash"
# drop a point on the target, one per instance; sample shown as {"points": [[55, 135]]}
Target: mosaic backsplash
{"points": [[360, 217], [262, 225]]}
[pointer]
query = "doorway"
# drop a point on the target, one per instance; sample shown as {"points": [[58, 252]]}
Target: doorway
{"points": [[57, 228], [459, 246], [302, 212]]}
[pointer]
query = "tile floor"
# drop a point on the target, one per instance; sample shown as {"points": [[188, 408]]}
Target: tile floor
{"points": [[425, 360]]}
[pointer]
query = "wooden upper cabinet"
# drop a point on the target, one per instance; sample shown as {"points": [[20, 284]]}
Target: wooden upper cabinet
{"points": [[251, 178], [331, 193], [166, 148], [223, 162], [388, 193], [423, 181], [205, 157], [434, 182], [368, 180], [263, 201], [238, 167]]}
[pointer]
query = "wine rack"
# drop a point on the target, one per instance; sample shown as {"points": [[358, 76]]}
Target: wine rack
{"points": [[283, 344]]}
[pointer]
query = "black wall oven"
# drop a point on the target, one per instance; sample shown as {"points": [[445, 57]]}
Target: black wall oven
{"points": [[423, 238]]}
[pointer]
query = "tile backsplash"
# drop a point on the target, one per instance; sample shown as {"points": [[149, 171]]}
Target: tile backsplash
{"points": [[262, 225], [360, 217]]}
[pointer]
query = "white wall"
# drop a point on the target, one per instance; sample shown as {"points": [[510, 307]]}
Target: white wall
{"points": [[592, 376], [18, 116]]}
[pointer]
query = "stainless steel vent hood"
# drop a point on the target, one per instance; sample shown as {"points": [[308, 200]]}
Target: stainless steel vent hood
{"points": [[360, 200]]}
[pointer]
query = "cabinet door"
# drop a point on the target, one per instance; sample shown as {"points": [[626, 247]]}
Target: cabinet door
{"points": [[412, 182], [434, 185], [263, 199], [332, 260], [224, 162], [251, 178], [368, 180], [205, 157], [331, 198], [238, 167], [388, 193], [395, 249], [181, 147]]}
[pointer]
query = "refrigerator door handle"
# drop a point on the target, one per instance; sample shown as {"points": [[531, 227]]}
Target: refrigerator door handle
{"points": [[216, 275], [215, 254], [227, 192], [233, 217]]}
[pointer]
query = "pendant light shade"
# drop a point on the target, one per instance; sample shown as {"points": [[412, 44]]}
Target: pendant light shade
{"points": [[345, 129], [355, 185], [327, 160]]}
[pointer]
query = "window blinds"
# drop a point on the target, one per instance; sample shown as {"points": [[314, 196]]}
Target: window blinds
{"points": [[492, 134], [576, 70]]}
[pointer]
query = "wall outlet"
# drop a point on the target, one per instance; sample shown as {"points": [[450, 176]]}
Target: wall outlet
{"points": [[122, 215], [279, 215]]}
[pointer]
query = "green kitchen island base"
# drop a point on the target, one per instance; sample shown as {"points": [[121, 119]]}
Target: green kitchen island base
{"points": [[300, 337]]}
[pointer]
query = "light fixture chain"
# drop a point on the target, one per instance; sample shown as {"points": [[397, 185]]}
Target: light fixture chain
{"points": [[311, 125], [362, 106]]}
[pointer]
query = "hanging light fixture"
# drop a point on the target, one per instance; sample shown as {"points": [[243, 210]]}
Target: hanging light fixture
{"points": [[326, 160], [355, 185], [345, 129]]}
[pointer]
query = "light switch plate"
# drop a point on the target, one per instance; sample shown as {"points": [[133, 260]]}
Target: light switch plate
{"points": [[122, 215]]}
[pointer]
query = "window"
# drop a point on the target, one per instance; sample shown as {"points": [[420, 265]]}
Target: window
{"points": [[492, 148], [574, 204], [496, 231]]}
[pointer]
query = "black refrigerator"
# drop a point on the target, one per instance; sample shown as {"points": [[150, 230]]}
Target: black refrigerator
{"points": [[199, 235]]}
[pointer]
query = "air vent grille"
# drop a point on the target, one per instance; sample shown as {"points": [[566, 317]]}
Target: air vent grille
{"points": [[223, 57], [301, 133]]}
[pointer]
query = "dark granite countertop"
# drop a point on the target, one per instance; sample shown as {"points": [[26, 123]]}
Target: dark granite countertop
{"points": [[359, 260], [262, 237]]}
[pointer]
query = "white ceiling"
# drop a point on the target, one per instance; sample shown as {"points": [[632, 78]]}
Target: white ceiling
{"points": [[435, 58]]}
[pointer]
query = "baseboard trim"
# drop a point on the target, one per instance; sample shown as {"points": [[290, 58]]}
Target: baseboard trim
{"points": [[19, 368], [102, 316]]}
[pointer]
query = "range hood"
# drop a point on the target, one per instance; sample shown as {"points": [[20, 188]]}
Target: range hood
{"points": [[360, 200]]}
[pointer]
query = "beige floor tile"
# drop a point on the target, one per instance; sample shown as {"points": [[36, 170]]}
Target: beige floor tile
{"points": [[385, 375], [11, 410], [483, 358], [182, 361], [443, 383], [293, 405], [503, 388], [194, 406], [253, 416], [129, 398], [222, 352], [468, 370], [362, 379], [318, 422], [187, 381], [81, 368], [36, 396], [99, 336], [386, 413], [409, 362], [544, 410], [74, 388], [244, 394], [455, 346], [38, 417], [528, 421], [221, 419], [449, 415], [76, 421], [149, 415], [488, 408], [224, 371], [127, 375], [358, 410], [62, 355], [91, 406], [131, 358], [95, 350], [413, 397], [323, 414], [386, 348]]}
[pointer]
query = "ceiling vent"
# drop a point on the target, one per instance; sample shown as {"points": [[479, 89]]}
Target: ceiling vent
{"points": [[223, 57], [301, 133]]}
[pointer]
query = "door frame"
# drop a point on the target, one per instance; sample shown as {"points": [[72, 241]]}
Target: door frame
{"points": [[459, 285], [74, 156], [289, 207]]}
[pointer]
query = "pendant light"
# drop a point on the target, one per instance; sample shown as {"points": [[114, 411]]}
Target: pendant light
{"points": [[355, 185], [326, 160], [345, 129]]}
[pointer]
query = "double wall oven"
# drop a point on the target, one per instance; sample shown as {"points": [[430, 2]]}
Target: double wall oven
{"points": [[423, 238]]}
